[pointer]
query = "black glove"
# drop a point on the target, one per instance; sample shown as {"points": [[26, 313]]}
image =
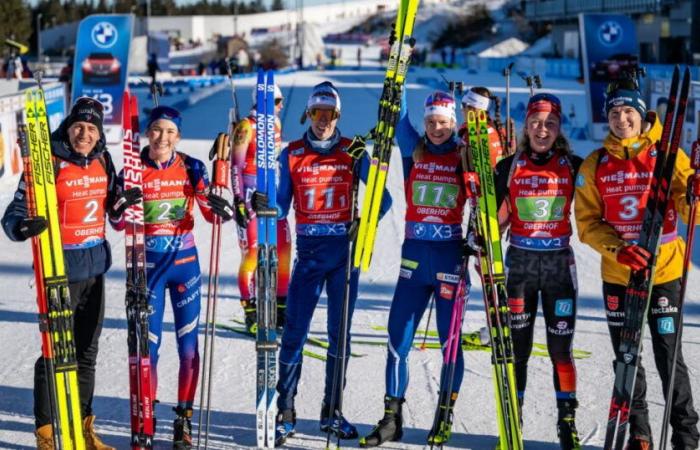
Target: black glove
{"points": [[242, 216], [127, 198], [220, 206], [259, 201], [357, 147], [31, 226], [473, 245]]}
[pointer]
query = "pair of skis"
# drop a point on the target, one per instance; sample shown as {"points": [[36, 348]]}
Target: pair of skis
{"points": [[266, 275], [137, 307], [53, 296], [402, 42], [493, 281], [638, 292]]}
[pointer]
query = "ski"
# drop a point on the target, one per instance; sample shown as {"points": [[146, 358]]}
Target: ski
{"points": [[219, 184], [494, 287], [137, 309], [402, 42], [53, 296], [689, 241], [442, 421], [266, 276], [638, 292]]}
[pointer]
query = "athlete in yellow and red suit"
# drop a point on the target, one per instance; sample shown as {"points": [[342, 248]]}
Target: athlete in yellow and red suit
{"points": [[244, 181]]}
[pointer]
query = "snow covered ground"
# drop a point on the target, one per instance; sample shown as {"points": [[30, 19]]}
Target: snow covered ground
{"points": [[233, 402]]}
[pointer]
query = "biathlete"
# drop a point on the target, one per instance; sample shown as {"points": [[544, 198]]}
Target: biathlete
{"points": [[611, 195], [432, 256], [537, 186], [244, 181], [172, 183], [316, 174]]}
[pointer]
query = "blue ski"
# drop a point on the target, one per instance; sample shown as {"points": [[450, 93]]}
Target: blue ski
{"points": [[266, 277]]}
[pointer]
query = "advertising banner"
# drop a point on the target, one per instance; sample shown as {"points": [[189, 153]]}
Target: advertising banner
{"points": [[101, 63], [610, 48]]}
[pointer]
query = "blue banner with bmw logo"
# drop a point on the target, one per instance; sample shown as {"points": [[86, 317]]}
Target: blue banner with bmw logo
{"points": [[101, 65], [609, 48]]}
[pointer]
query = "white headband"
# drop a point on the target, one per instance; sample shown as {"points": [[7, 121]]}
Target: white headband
{"points": [[475, 100], [440, 110]]}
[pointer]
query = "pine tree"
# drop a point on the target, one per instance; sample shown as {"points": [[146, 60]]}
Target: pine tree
{"points": [[15, 21], [277, 5]]}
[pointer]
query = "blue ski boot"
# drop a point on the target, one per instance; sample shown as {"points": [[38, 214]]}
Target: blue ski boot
{"points": [[337, 425], [286, 421]]}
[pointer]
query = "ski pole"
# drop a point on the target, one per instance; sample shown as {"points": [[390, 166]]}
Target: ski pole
{"points": [[427, 324], [341, 356], [220, 182], [506, 73], [156, 89], [695, 165]]}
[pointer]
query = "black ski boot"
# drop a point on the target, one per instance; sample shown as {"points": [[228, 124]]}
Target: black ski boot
{"points": [[442, 428], [390, 428], [566, 426], [281, 311], [182, 426], [251, 318]]}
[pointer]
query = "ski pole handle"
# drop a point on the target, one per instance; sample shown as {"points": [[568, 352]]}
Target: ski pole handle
{"points": [[221, 170]]}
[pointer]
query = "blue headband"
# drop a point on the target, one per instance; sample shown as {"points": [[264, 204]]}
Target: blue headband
{"points": [[167, 113]]}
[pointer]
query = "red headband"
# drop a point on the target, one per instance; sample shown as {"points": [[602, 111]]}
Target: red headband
{"points": [[543, 106]]}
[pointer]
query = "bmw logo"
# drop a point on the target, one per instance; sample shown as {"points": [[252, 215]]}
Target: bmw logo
{"points": [[104, 35], [610, 33], [419, 229]]}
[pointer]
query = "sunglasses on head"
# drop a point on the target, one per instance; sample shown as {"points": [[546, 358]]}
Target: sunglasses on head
{"points": [[316, 113]]}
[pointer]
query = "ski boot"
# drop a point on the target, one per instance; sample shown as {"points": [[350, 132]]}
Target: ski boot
{"points": [[182, 426], [92, 440], [281, 311], [251, 318], [340, 427], [44, 437], [284, 427], [639, 443], [442, 428], [389, 428], [566, 426]]}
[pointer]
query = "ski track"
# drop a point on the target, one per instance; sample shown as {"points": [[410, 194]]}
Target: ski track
{"points": [[232, 424]]}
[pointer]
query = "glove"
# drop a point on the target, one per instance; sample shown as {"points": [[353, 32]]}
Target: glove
{"points": [[259, 201], [242, 216], [473, 245], [220, 206], [692, 192], [31, 226], [357, 147], [472, 184], [127, 198], [633, 256]]}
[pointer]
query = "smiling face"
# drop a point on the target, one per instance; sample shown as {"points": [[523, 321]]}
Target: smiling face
{"points": [[625, 122], [542, 130], [83, 136], [163, 136], [439, 128], [323, 122]]}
